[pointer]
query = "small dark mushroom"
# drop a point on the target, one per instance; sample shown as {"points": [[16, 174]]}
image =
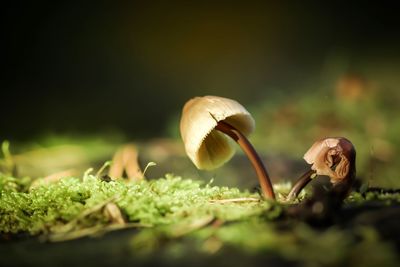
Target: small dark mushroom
{"points": [[333, 157]]}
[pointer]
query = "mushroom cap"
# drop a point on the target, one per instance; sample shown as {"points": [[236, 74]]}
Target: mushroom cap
{"points": [[334, 157], [207, 147]]}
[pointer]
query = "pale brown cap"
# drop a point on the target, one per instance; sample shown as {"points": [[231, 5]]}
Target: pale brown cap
{"points": [[207, 147]]}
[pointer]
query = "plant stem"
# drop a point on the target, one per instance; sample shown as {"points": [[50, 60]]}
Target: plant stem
{"points": [[251, 153], [300, 184]]}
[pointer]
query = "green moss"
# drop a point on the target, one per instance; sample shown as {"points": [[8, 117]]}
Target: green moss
{"points": [[382, 196], [177, 216], [157, 202]]}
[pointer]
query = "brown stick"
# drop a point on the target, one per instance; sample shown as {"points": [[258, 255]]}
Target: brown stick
{"points": [[251, 153], [300, 184]]}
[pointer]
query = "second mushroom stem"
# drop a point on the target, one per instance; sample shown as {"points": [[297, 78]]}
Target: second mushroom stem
{"points": [[300, 184], [251, 153]]}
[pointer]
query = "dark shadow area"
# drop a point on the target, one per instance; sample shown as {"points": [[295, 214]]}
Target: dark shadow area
{"points": [[88, 68]]}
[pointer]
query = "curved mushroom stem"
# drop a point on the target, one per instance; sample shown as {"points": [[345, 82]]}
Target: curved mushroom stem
{"points": [[251, 153], [300, 184]]}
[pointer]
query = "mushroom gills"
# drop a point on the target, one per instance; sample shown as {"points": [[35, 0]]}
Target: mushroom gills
{"points": [[215, 150]]}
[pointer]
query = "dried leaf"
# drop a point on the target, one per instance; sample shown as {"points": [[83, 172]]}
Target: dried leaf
{"points": [[126, 160]]}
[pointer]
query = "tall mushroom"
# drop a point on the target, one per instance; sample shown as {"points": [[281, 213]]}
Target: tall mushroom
{"points": [[333, 157], [205, 125]]}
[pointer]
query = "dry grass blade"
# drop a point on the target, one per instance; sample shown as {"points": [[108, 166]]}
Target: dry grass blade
{"points": [[235, 200], [189, 225], [73, 230], [113, 213], [126, 160], [73, 224], [92, 231]]}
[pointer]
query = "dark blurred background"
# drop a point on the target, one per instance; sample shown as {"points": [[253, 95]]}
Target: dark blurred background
{"points": [[92, 67]]}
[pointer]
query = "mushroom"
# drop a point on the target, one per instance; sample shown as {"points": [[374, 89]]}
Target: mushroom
{"points": [[334, 157], [205, 125]]}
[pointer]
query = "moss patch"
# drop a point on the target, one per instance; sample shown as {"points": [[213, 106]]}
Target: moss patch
{"points": [[177, 217], [169, 200]]}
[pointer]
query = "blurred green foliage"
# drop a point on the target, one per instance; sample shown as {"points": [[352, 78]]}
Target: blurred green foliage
{"points": [[54, 153], [364, 113]]}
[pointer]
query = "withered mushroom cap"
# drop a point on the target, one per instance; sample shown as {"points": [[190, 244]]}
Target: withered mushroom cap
{"points": [[333, 157], [205, 146]]}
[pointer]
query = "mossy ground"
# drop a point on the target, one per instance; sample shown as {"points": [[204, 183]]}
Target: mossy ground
{"points": [[176, 221]]}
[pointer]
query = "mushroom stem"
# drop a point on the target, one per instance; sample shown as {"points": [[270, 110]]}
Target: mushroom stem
{"points": [[251, 153], [300, 184]]}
